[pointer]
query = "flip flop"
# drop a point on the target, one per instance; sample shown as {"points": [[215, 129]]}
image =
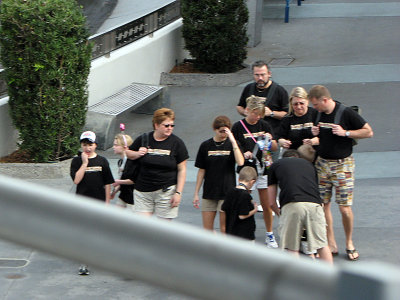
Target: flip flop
{"points": [[352, 252]]}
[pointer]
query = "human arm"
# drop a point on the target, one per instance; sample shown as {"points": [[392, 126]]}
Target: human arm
{"points": [[181, 177], [251, 213], [312, 142], [136, 154], [80, 173], [276, 114], [107, 188], [241, 110], [272, 191], [236, 150], [199, 182], [284, 143], [362, 133]]}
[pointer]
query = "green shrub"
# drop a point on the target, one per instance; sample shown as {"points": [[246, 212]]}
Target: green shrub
{"points": [[46, 56], [215, 33]]}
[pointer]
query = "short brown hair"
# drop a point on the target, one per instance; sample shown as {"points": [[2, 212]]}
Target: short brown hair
{"points": [[307, 152], [259, 64], [160, 115], [247, 174], [222, 121], [319, 91]]}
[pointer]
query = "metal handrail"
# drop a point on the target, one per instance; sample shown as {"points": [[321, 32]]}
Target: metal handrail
{"points": [[177, 256]]}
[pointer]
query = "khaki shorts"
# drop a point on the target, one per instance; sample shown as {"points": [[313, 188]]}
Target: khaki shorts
{"points": [[297, 217], [122, 203], [338, 173], [157, 202], [211, 205]]}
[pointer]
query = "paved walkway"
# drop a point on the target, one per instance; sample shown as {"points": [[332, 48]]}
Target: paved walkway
{"points": [[350, 47]]}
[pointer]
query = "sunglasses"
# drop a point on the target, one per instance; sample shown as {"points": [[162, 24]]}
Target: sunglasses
{"points": [[168, 125]]}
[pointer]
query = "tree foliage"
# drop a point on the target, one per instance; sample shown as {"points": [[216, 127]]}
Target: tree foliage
{"points": [[215, 33], [46, 56]]}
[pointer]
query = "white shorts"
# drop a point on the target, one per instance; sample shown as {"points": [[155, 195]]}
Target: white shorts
{"points": [[261, 183]]}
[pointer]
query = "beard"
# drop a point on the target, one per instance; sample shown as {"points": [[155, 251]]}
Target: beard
{"points": [[261, 84]]}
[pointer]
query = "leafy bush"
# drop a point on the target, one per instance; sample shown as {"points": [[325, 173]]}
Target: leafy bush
{"points": [[46, 56], [215, 33]]}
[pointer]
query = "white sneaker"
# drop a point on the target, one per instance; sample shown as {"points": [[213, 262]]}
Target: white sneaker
{"points": [[259, 208], [304, 248], [83, 270], [270, 241]]}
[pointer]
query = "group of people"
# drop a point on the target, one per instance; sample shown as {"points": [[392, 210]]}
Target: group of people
{"points": [[274, 125]]}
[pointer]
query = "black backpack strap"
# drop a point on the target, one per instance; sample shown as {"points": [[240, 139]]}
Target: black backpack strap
{"points": [[339, 113], [271, 90], [253, 89], [317, 118], [145, 140]]}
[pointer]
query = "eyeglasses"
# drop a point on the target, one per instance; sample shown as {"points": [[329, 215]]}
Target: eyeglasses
{"points": [[299, 103], [168, 125]]}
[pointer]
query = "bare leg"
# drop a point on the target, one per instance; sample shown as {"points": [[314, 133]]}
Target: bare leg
{"points": [[222, 221], [325, 254], [267, 211], [348, 221], [329, 230], [208, 219]]}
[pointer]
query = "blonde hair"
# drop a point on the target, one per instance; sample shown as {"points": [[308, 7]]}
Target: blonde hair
{"points": [[297, 92], [160, 115], [256, 103], [247, 174], [123, 140]]}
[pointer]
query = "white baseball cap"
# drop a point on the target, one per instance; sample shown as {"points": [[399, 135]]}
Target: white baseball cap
{"points": [[88, 135]]}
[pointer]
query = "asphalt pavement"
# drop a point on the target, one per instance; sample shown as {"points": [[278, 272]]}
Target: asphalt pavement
{"points": [[349, 46]]}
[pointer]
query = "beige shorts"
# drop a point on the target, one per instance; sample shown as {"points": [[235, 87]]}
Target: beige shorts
{"points": [[211, 205], [157, 202], [297, 217], [261, 183]]}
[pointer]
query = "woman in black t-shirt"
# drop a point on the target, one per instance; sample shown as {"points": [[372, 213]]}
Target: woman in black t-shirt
{"points": [[295, 128], [162, 175], [216, 160]]}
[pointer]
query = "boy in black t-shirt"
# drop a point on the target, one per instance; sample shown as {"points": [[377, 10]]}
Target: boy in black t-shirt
{"points": [[92, 175], [239, 206]]}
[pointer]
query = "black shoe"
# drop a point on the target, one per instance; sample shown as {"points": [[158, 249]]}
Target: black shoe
{"points": [[83, 270]]}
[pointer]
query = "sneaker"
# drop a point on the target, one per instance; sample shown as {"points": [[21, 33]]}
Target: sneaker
{"points": [[83, 270], [270, 241], [304, 248], [259, 208]]}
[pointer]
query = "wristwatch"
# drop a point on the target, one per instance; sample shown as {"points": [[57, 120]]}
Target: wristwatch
{"points": [[271, 114], [347, 133]]}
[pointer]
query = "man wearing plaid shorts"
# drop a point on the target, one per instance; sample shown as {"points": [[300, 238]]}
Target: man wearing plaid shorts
{"points": [[335, 163]]}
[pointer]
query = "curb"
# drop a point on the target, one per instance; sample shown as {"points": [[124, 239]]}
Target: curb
{"points": [[206, 79], [36, 170]]}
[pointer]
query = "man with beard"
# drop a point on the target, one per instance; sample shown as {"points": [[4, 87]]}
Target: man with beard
{"points": [[276, 104]]}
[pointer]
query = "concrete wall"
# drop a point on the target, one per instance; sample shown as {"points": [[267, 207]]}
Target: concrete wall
{"points": [[141, 61], [8, 133]]}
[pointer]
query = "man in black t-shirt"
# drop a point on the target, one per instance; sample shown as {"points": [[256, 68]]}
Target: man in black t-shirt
{"points": [[300, 204], [276, 105], [335, 163]]}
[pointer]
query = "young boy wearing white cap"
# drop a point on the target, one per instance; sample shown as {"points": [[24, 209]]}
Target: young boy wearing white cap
{"points": [[91, 173]]}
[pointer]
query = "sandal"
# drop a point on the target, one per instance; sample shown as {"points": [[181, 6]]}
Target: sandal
{"points": [[352, 252]]}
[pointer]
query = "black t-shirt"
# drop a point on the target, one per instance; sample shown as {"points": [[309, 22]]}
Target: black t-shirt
{"points": [[158, 168], [332, 146], [126, 190], [238, 202], [218, 161], [245, 140], [97, 175], [297, 179], [279, 100], [296, 128]]}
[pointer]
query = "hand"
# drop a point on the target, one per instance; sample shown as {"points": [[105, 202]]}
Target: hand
{"points": [[338, 130], [248, 155], [175, 200], [142, 151], [196, 201], [85, 158], [267, 111], [285, 143], [307, 142], [315, 130]]}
